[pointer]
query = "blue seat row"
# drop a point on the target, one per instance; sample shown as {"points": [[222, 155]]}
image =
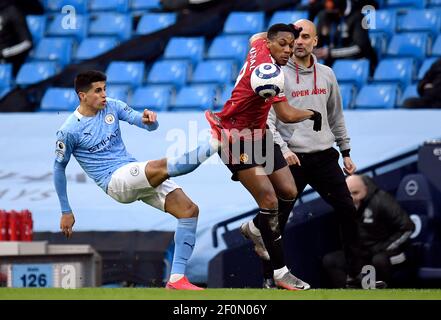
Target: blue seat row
{"points": [[80, 26], [84, 6], [154, 97]]}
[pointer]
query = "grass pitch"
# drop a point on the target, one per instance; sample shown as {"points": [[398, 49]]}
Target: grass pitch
{"points": [[215, 294]]}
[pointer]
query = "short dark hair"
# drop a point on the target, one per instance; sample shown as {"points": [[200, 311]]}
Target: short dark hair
{"points": [[278, 27], [83, 81]]}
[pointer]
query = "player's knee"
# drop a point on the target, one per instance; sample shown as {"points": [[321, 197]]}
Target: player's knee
{"points": [[288, 192], [380, 260]]}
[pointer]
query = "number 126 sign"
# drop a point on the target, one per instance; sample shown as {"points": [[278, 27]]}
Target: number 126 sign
{"points": [[32, 275]]}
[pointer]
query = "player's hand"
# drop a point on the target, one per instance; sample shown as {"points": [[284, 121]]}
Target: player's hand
{"points": [[317, 118], [349, 167], [66, 223], [291, 158], [149, 117]]}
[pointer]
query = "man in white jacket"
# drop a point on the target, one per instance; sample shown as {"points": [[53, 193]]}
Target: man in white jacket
{"points": [[310, 154]]}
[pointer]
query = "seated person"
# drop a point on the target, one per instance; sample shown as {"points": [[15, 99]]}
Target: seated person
{"points": [[341, 34], [428, 89], [384, 229]]}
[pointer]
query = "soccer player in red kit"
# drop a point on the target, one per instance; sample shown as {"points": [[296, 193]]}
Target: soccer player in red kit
{"points": [[248, 150]]}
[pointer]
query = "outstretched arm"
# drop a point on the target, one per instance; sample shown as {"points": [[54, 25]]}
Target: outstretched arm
{"points": [[67, 218], [63, 150], [146, 119]]}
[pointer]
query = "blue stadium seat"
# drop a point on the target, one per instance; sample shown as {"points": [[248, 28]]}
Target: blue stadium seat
{"points": [[109, 5], [37, 26], [122, 72], [385, 22], [434, 3], [420, 20], [214, 71], [55, 49], [5, 75], [229, 47], [136, 5], [353, 71], [152, 22], [118, 91], [409, 44], [225, 95], [395, 70], [77, 30], [406, 4], [154, 97], [425, 66], [185, 48], [436, 48], [92, 47], [409, 92], [415, 197], [244, 23], [59, 99], [287, 17], [347, 92], [200, 97], [4, 91], [32, 72], [174, 72], [378, 42], [111, 24], [377, 96], [81, 6]]}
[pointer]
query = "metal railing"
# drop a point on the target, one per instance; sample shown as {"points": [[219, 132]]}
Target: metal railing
{"points": [[374, 170]]}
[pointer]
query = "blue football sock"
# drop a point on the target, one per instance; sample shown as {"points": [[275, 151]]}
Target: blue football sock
{"points": [[189, 161], [185, 237]]}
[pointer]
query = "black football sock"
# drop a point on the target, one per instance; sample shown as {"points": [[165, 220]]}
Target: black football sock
{"points": [[269, 229]]}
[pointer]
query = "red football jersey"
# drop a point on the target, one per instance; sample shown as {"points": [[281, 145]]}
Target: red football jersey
{"points": [[246, 109]]}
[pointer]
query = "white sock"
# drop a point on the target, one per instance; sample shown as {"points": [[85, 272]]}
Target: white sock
{"points": [[253, 228], [279, 273], [176, 277]]}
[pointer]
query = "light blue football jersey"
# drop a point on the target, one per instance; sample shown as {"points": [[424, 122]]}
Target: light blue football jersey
{"points": [[96, 141]]}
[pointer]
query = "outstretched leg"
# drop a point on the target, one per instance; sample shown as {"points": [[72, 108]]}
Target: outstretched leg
{"points": [[157, 171]]}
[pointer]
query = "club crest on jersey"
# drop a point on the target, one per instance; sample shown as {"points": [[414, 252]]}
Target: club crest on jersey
{"points": [[134, 171], [109, 119], [243, 158], [60, 149]]}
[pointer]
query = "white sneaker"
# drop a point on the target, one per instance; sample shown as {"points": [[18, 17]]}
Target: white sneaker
{"points": [[290, 282], [259, 246]]}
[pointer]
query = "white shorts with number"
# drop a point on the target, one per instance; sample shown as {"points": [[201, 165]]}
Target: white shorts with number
{"points": [[129, 184]]}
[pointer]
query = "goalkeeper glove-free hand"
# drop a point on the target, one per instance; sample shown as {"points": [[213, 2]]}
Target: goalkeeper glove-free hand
{"points": [[296, 30], [317, 118]]}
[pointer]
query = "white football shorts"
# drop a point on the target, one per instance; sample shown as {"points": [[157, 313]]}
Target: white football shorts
{"points": [[129, 184]]}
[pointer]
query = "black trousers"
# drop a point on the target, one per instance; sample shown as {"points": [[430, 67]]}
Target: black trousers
{"points": [[323, 173], [334, 264]]}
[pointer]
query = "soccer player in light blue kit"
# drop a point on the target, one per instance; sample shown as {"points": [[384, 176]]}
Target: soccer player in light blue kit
{"points": [[93, 136]]}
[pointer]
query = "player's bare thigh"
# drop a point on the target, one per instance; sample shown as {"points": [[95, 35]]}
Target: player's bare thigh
{"points": [[258, 184], [283, 183], [156, 172], [178, 204]]}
